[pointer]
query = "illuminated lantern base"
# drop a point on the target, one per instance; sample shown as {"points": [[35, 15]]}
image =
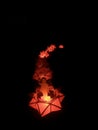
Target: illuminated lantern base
{"points": [[46, 107]]}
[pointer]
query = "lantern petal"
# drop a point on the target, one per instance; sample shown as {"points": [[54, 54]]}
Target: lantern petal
{"points": [[33, 100], [54, 108], [56, 102], [42, 106], [35, 106], [61, 98], [47, 111]]}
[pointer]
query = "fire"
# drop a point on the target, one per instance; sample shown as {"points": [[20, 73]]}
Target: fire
{"points": [[45, 99], [45, 90]]}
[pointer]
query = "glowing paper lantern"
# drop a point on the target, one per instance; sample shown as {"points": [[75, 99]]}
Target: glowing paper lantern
{"points": [[45, 99], [45, 107]]}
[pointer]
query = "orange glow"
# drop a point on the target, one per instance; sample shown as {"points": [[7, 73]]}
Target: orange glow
{"points": [[45, 99], [61, 46], [42, 70], [45, 54], [51, 48]]}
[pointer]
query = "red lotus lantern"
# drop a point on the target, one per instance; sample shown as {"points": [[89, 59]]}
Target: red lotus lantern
{"points": [[45, 99]]}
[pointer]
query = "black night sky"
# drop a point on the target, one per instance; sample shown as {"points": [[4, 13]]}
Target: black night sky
{"points": [[27, 36]]}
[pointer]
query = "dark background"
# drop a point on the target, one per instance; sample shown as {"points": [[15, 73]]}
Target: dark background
{"points": [[27, 35]]}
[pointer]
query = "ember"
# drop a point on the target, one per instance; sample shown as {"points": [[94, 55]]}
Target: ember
{"points": [[61, 46]]}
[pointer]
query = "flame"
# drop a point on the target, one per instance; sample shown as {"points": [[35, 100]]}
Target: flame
{"points": [[44, 88], [46, 98]]}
